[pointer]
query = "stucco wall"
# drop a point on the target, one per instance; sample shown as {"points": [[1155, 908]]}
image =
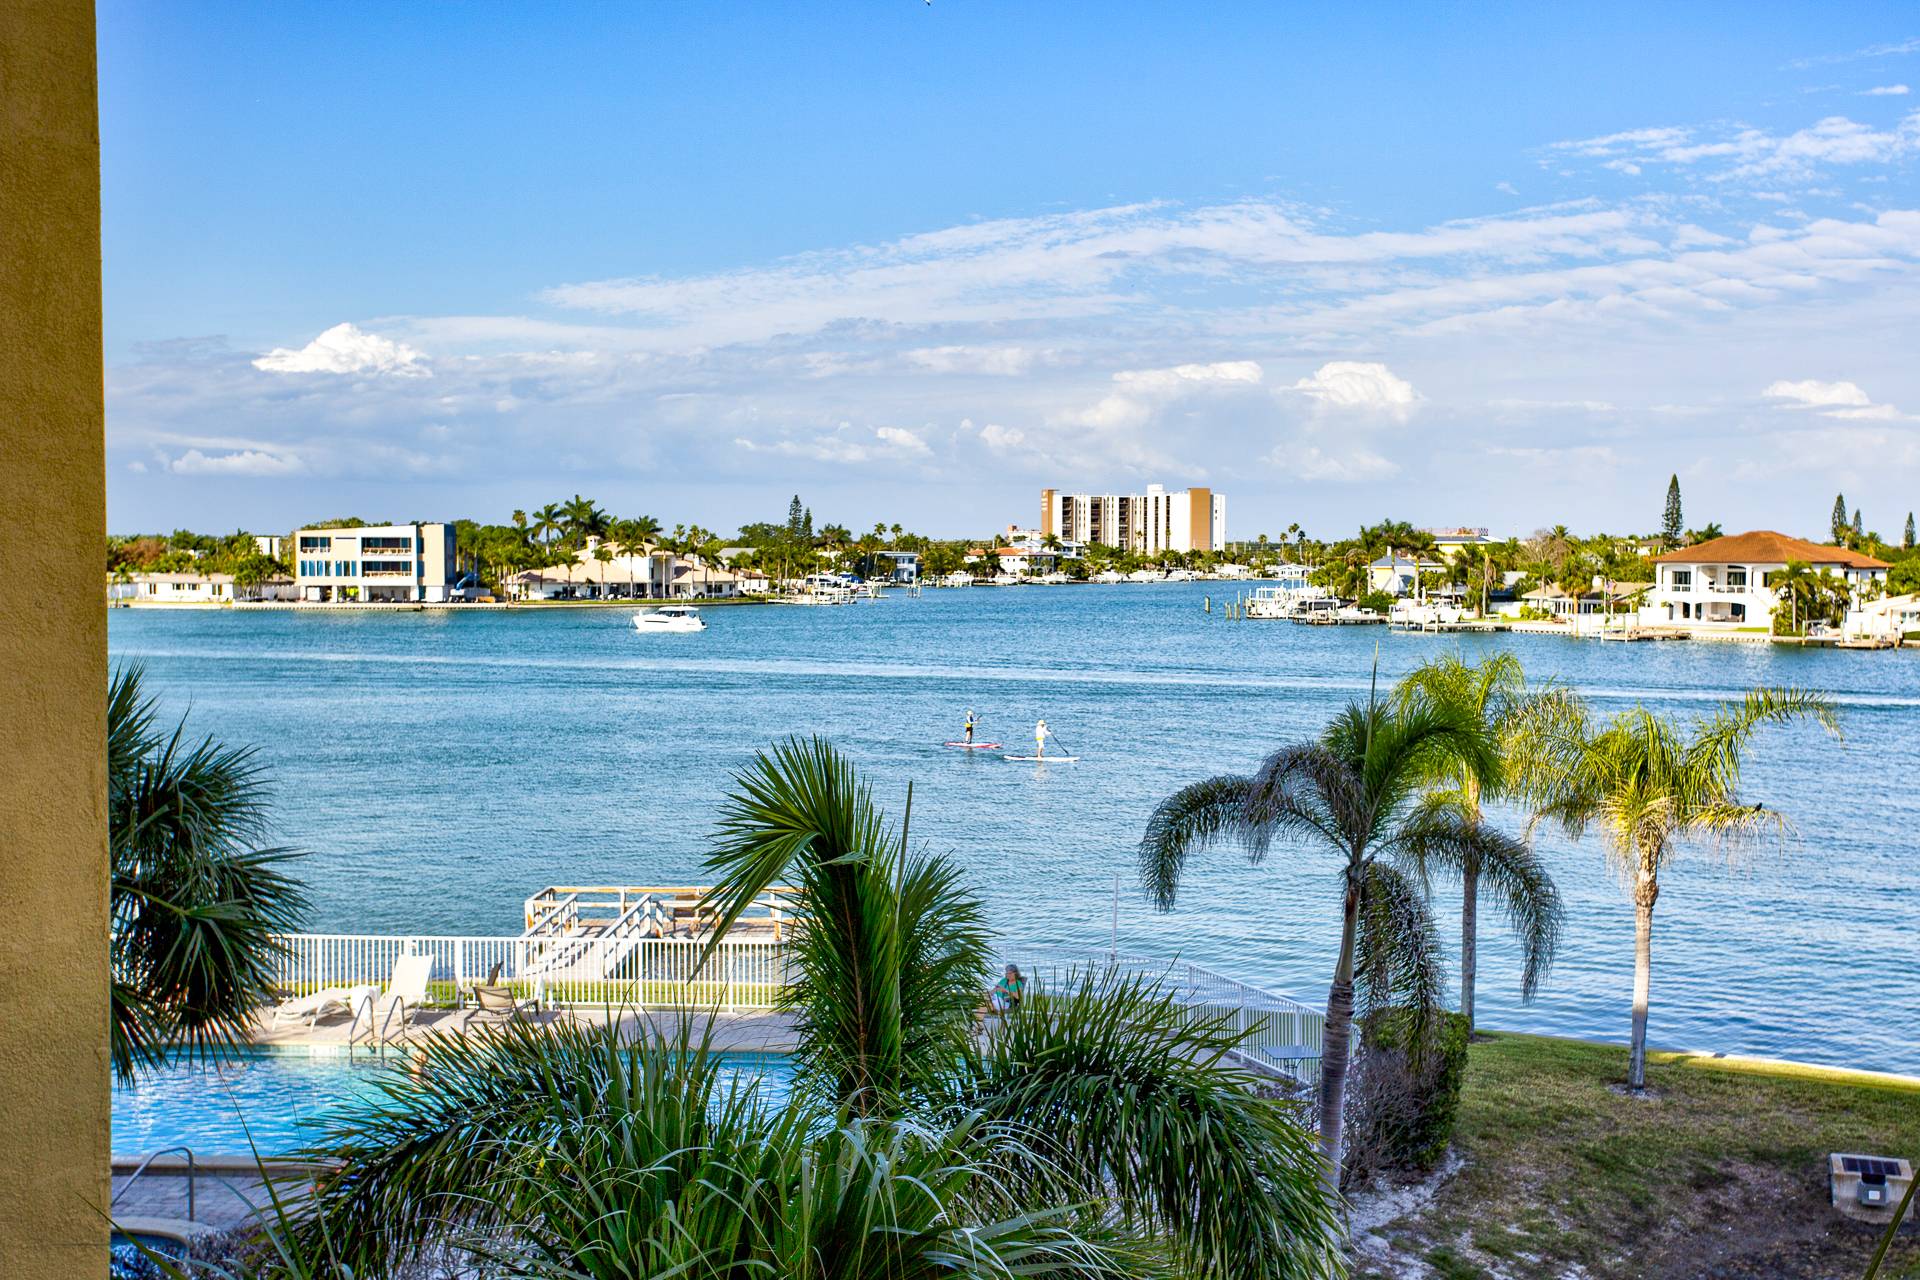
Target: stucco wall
{"points": [[53, 836]]}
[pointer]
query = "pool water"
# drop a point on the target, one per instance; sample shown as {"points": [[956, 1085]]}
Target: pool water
{"points": [[272, 1102]]}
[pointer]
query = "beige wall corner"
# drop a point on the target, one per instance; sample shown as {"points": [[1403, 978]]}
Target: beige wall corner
{"points": [[54, 1102]]}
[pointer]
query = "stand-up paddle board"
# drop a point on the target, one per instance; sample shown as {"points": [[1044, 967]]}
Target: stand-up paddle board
{"points": [[974, 746], [1042, 759]]}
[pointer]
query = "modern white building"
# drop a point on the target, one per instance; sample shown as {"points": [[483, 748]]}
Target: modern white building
{"points": [[1143, 523], [1723, 584], [376, 563]]}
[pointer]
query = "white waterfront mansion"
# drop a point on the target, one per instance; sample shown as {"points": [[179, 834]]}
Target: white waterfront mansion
{"points": [[1723, 584]]}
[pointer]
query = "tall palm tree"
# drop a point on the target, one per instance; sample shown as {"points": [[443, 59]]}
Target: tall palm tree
{"points": [[1494, 694], [1653, 789], [198, 903], [1100, 1134], [547, 522], [1354, 793]]}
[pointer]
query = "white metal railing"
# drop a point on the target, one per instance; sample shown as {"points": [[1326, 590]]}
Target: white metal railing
{"points": [[1281, 1032], [742, 975], [650, 973]]}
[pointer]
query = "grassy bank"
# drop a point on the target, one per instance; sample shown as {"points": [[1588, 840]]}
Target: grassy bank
{"points": [[1721, 1171]]}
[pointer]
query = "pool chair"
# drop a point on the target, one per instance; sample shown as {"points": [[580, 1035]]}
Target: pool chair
{"points": [[316, 1005], [393, 1011], [499, 1004]]}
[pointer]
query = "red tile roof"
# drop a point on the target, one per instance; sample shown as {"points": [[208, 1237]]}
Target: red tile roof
{"points": [[1764, 546]]}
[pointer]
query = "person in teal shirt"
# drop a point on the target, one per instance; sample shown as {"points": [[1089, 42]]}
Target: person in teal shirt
{"points": [[1007, 992]]}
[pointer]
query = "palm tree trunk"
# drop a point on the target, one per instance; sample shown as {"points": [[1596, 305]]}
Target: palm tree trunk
{"points": [[1335, 1048], [1469, 939], [1646, 890]]}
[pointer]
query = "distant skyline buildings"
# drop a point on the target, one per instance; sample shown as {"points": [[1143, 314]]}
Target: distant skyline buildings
{"points": [[1464, 268], [1144, 523]]}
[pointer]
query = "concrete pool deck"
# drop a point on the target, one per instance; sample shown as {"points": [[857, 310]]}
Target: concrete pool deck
{"points": [[731, 1032]]}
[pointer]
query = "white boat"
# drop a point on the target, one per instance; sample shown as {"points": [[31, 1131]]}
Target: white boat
{"points": [[1109, 575], [1181, 575], [1287, 601], [1054, 579], [1146, 575], [958, 578], [672, 617]]}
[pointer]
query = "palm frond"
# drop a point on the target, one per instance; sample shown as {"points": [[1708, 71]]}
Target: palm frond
{"points": [[1137, 1097], [198, 908], [1507, 867], [1399, 960], [1187, 822]]}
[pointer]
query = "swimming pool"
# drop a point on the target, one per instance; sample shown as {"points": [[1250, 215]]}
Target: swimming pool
{"points": [[277, 1098]]}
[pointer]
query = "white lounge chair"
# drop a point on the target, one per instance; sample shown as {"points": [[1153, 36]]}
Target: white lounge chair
{"points": [[395, 1008], [316, 1005]]}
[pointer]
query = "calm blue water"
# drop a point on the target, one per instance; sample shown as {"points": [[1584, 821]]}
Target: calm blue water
{"points": [[278, 1099], [441, 767]]}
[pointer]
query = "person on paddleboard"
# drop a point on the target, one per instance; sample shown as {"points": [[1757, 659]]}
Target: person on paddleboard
{"points": [[1040, 740], [969, 726]]}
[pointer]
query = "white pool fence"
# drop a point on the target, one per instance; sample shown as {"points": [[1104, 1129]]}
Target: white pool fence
{"points": [[747, 976]]}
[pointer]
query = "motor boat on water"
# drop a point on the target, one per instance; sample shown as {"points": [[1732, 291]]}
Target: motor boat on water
{"points": [[672, 617]]}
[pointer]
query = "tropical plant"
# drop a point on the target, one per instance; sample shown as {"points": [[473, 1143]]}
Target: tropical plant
{"points": [[1099, 1133], [1671, 522], [1654, 788], [1493, 693], [198, 903], [1356, 793]]}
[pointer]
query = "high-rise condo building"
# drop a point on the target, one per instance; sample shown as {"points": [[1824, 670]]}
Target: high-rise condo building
{"points": [[1143, 523]]}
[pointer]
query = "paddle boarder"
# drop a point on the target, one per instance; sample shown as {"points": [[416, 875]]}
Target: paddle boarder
{"points": [[1040, 740], [969, 726]]}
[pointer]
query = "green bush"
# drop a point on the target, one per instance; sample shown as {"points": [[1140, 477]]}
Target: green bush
{"points": [[1377, 602], [1406, 1097]]}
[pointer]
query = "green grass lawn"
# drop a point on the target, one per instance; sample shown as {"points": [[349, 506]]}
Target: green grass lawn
{"points": [[1720, 1172]]}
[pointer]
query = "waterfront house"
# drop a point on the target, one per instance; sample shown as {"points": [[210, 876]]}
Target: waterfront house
{"points": [[646, 573], [1887, 618], [1723, 584], [1399, 575], [1551, 599], [1451, 542], [376, 564], [194, 588], [899, 567]]}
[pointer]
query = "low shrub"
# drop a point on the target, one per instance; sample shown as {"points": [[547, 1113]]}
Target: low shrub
{"points": [[1404, 1098]]}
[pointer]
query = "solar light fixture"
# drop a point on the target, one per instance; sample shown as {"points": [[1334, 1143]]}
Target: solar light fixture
{"points": [[1867, 1187]]}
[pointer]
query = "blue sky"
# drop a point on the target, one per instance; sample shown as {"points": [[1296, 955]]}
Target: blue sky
{"points": [[1472, 264]]}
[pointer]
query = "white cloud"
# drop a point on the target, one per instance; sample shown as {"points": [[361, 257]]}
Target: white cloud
{"points": [[1830, 399], [1359, 385], [1506, 188], [1886, 91], [1311, 463], [245, 462], [1815, 394], [346, 348], [846, 445], [1000, 361], [1744, 153]]}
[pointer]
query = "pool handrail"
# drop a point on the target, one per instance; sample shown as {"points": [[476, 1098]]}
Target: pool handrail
{"points": [[193, 1175]]}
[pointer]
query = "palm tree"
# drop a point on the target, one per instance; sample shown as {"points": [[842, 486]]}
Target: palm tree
{"points": [[1494, 694], [1356, 793], [547, 522], [198, 903], [1792, 583], [1100, 1134], [1653, 789]]}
